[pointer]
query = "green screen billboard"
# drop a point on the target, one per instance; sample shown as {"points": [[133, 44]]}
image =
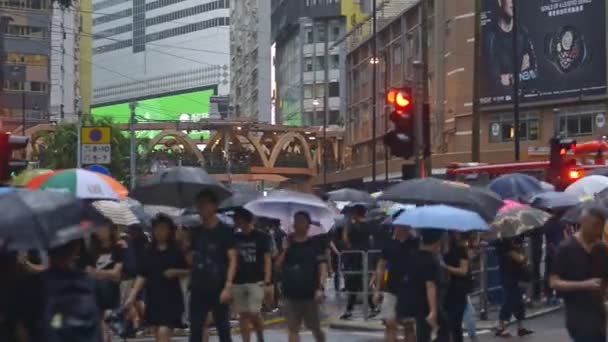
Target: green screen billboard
{"points": [[185, 107]]}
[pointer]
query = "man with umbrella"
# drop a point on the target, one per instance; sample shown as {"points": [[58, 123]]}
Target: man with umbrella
{"points": [[214, 260]]}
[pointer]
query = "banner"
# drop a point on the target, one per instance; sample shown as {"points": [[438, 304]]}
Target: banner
{"points": [[560, 44]]}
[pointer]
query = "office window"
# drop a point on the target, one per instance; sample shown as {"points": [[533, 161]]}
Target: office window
{"points": [[335, 32], [321, 34], [502, 128], [334, 89], [26, 4], [320, 65], [309, 35], [38, 87], [577, 124], [308, 63], [13, 85], [25, 31], [335, 61], [319, 91], [308, 92]]}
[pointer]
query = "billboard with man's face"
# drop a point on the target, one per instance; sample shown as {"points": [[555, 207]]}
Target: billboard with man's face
{"points": [[561, 50]]}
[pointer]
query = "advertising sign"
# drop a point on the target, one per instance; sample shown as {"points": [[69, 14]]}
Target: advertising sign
{"points": [[185, 107], [561, 49]]}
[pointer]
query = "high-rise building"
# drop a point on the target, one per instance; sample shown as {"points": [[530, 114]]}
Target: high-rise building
{"points": [[307, 66], [24, 62], [250, 65], [65, 63], [146, 49]]}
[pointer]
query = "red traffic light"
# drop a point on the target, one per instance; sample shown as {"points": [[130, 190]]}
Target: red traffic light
{"points": [[574, 174], [401, 99]]}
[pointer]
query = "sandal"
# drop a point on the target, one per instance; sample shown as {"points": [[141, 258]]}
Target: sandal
{"points": [[524, 332], [501, 332]]}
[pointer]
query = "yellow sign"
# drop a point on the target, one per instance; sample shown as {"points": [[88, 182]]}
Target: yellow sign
{"points": [[96, 135]]}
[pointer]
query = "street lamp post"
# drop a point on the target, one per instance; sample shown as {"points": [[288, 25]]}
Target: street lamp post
{"points": [[374, 62], [315, 104]]}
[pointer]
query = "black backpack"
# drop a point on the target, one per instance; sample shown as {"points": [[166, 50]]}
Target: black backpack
{"points": [[70, 312]]}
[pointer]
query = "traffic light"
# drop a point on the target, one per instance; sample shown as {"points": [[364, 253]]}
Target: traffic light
{"points": [[561, 171], [400, 140], [8, 145]]}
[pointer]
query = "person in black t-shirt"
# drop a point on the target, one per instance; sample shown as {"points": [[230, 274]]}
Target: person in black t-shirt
{"points": [[107, 259], [421, 288], [356, 236], [214, 260], [388, 273], [579, 273], [253, 276], [512, 267], [160, 269], [304, 267], [457, 264]]}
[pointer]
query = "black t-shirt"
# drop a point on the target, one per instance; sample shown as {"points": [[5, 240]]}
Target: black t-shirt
{"points": [[421, 268], [301, 268], [458, 284], [395, 254], [585, 311], [359, 234], [251, 247], [153, 265], [107, 260], [509, 268], [210, 248]]}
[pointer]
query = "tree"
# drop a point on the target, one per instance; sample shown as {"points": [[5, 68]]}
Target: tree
{"points": [[59, 148]]}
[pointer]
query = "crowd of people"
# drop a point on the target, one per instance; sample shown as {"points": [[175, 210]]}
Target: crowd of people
{"points": [[175, 278]]}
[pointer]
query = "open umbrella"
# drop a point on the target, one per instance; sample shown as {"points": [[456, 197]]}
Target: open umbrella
{"points": [[518, 221], [588, 186], [282, 205], [554, 200], [426, 191], [26, 176], [516, 186], [178, 187], [44, 219], [351, 195], [82, 183], [118, 212], [442, 217], [239, 198]]}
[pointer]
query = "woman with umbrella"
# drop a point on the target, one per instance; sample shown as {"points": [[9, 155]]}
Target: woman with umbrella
{"points": [[163, 265]]}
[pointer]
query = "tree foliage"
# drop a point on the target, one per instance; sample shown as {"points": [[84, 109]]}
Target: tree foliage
{"points": [[60, 148]]}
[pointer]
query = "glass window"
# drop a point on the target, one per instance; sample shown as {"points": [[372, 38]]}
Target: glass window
{"points": [[502, 128], [309, 35], [308, 92], [319, 91], [308, 63], [320, 63], [320, 27], [577, 124], [335, 33], [334, 89], [335, 61]]}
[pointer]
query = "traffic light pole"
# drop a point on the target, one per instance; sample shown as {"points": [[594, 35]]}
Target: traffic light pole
{"points": [[374, 90], [516, 72], [133, 147]]}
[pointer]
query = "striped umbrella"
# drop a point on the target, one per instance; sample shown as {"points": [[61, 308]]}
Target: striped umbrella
{"points": [[118, 212], [26, 176], [82, 183]]}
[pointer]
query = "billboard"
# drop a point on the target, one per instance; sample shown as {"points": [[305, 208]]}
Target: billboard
{"points": [[185, 107], [561, 49]]}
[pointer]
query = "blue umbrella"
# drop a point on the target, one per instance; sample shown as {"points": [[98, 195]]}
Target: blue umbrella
{"points": [[552, 200], [516, 186], [441, 217]]}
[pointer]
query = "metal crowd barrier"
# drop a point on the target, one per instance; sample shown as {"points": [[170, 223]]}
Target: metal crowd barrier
{"points": [[485, 272]]}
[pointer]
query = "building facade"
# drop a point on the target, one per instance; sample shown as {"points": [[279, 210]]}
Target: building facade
{"points": [[143, 49], [307, 66], [25, 30], [569, 102], [250, 47], [65, 64]]}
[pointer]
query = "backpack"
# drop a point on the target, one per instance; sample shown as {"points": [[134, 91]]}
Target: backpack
{"points": [[70, 311]]}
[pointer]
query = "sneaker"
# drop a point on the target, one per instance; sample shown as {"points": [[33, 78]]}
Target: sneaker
{"points": [[524, 332], [347, 315]]}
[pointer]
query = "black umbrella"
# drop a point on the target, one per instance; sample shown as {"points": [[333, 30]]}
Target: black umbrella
{"points": [[44, 219], [434, 191], [554, 200], [350, 195], [573, 214], [600, 171], [516, 186], [178, 187]]}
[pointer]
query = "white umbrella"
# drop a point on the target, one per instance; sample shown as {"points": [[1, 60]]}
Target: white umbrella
{"points": [[282, 205], [588, 186], [118, 212]]}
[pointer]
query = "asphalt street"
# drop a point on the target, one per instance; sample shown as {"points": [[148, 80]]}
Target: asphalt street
{"points": [[547, 328]]}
